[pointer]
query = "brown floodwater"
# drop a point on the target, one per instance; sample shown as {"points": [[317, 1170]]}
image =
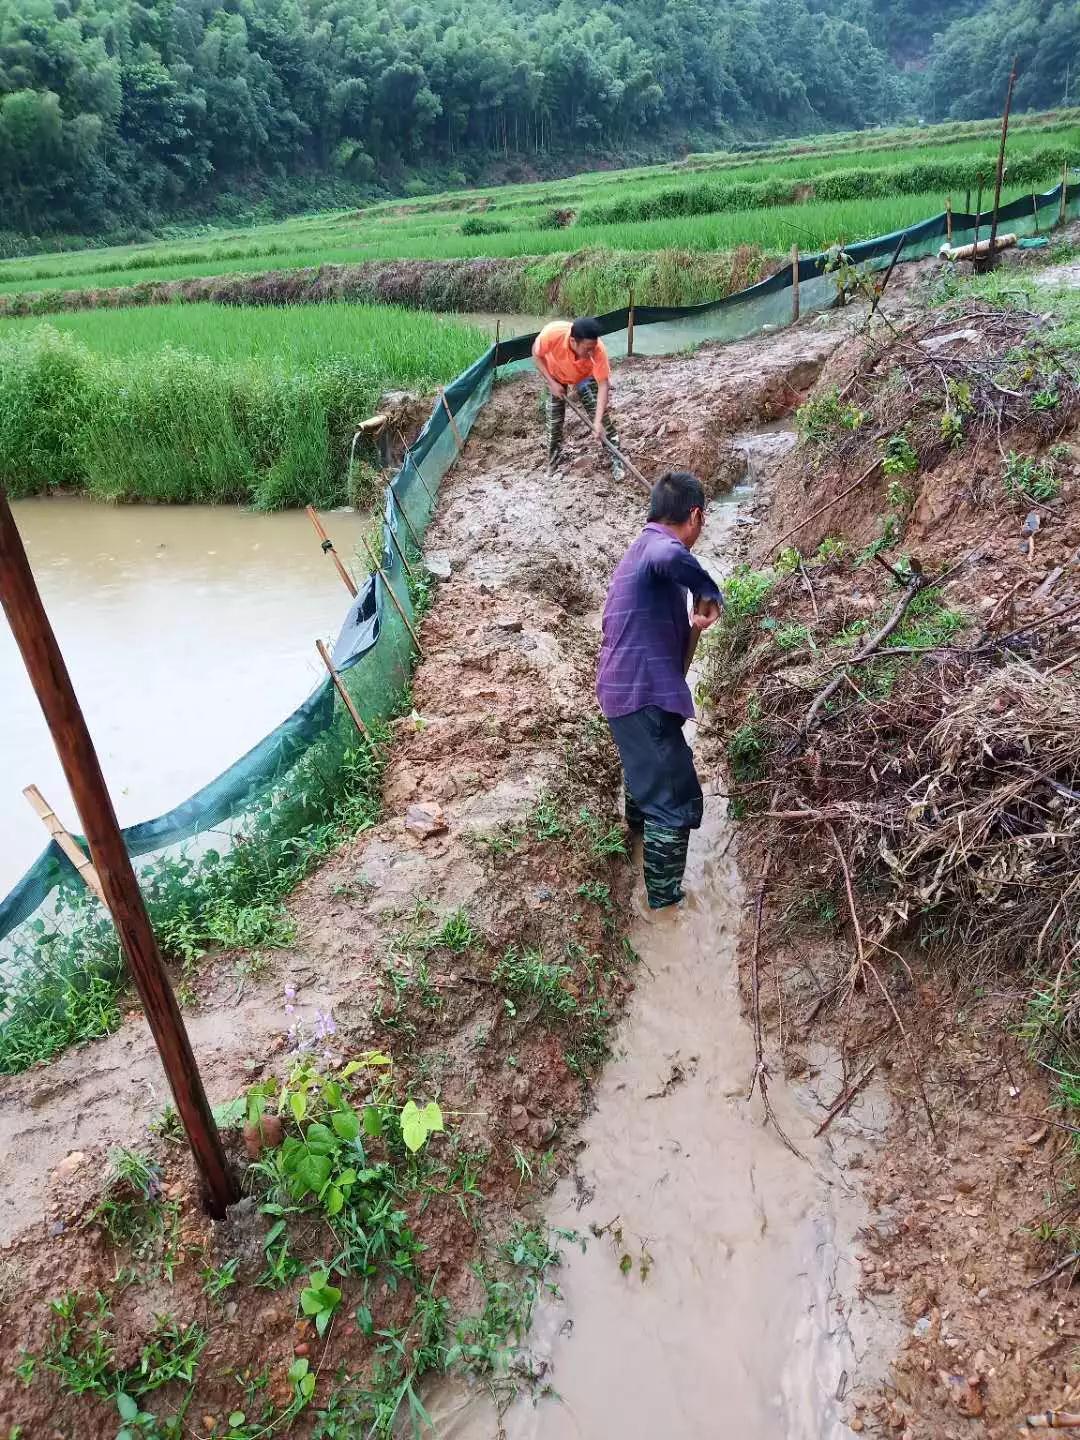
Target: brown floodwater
{"points": [[189, 632]]}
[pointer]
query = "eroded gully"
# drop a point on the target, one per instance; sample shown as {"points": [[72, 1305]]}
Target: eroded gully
{"points": [[737, 1312]]}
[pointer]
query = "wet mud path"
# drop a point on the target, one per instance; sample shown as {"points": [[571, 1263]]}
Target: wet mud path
{"points": [[715, 1288]]}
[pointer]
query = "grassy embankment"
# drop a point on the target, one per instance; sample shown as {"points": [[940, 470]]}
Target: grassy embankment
{"points": [[201, 403], [578, 244]]}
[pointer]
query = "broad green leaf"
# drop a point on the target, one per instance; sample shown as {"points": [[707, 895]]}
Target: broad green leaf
{"points": [[365, 1320], [310, 1302], [350, 1069], [346, 1123], [345, 1179], [307, 1386], [320, 1137], [372, 1122], [230, 1114], [129, 1408], [313, 1172], [432, 1117], [297, 1370], [417, 1124], [237, 1418], [298, 1105], [334, 1200], [332, 1094], [322, 1321]]}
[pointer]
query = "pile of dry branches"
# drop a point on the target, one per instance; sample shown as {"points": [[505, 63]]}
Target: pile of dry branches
{"points": [[954, 808], [967, 372]]}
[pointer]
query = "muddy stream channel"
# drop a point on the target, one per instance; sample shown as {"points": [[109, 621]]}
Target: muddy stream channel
{"points": [[189, 632], [719, 1298]]}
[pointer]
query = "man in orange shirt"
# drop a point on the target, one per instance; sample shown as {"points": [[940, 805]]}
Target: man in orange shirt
{"points": [[572, 356]]}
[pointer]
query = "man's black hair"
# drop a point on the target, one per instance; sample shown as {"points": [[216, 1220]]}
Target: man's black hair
{"points": [[674, 496], [585, 328]]}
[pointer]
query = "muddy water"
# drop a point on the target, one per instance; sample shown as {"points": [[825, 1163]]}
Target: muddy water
{"points": [[189, 632], [738, 1316]]}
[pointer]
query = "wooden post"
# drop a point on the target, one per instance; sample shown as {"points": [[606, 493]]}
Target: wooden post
{"points": [[49, 818], [397, 603], [1035, 213], [1064, 193], [498, 327], [948, 219], [453, 422], [52, 685], [794, 282], [967, 201], [401, 553], [978, 222], [1001, 160], [328, 549], [630, 324], [339, 686]]}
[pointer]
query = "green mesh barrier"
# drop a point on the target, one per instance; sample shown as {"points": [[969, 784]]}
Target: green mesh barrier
{"points": [[280, 786]]}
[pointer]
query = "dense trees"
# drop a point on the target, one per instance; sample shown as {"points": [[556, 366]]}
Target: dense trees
{"points": [[127, 111]]}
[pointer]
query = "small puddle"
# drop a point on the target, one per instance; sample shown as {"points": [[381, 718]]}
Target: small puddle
{"points": [[738, 1315]]}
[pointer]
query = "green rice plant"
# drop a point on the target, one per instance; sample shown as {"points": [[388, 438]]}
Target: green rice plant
{"points": [[199, 403]]}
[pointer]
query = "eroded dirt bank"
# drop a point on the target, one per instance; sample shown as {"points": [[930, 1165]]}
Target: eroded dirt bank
{"points": [[487, 958], [914, 821]]}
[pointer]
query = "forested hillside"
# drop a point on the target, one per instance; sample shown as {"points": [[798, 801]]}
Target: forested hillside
{"points": [[116, 112]]}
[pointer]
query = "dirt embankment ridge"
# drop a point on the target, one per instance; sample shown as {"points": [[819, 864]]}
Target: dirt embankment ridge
{"points": [[584, 281], [895, 699]]}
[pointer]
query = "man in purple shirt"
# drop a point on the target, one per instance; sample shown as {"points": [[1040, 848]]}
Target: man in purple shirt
{"points": [[641, 683]]}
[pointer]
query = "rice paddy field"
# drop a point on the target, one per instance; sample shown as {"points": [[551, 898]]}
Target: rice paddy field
{"points": [[124, 399], [205, 403], [772, 199]]}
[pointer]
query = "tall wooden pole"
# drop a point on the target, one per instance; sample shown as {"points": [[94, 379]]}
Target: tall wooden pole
{"points": [[630, 324], [1001, 159], [1064, 193], [794, 282], [52, 684], [328, 549]]}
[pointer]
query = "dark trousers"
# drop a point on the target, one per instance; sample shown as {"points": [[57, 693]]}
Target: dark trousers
{"points": [[663, 795]]}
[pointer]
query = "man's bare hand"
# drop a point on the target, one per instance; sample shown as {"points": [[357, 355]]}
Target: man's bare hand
{"points": [[559, 391], [706, 613], [598, 434]]}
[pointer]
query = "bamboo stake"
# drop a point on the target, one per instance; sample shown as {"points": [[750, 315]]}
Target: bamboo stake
{"points": [[1064, 193], [415, 465], [339, 686], [328, 549], [630, 325], [794, 282], [978, 221], [401, 553], [397, 603], [967, 201], [498, 326], [74, 852], [948, 219], [458, 441], [1001, 161], [52, 684], [408, 523], [1035, 212]]}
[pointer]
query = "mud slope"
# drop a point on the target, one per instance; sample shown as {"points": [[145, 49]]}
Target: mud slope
{"points": [[503, 738]]}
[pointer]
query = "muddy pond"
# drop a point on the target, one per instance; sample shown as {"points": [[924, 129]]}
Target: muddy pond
{"points": [[189, 633]]}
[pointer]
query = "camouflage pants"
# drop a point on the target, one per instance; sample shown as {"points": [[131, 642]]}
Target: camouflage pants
{"points": [[587, 392], [664, 854]]}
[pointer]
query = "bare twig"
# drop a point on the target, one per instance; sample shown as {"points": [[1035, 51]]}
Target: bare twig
{"points": [[809, 589], [915, 584], [822, 508], [760, 1077], [1069, 1261], [841, 1103]]}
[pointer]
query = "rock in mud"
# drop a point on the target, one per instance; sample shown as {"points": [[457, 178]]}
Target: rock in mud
{"points": [[426, 818], [69, 1165], [438, 564], [519, 1118]]}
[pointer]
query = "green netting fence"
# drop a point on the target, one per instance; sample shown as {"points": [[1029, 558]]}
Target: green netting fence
{"points": [[278, 790]]}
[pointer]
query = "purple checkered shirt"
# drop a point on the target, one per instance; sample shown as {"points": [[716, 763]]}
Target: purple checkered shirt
{"points": [[647, 626]]}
